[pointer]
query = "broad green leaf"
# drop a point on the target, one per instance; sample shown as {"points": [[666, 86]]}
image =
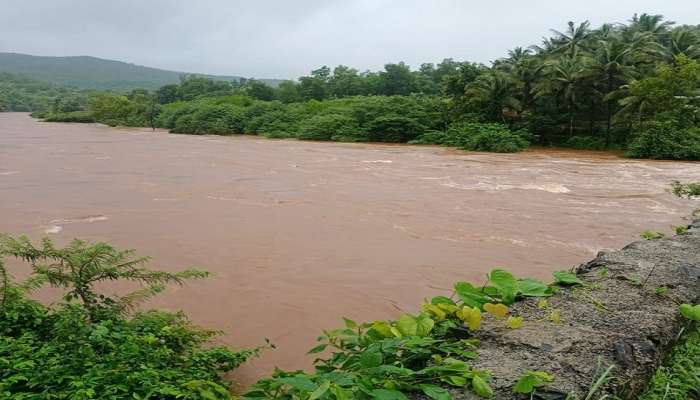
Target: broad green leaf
{"points": [[566, 278], [481, 387], [350, 324], [436, 392], [533, 288], [532, 380], [691, 312], [371, 359], [339, 393], [407, 325], [424, 325], [470, 295], [317, 349], [383, 329], [441, 300], [506, 284], [526, 384], [299, 382], [320, 391], [388, 394]]}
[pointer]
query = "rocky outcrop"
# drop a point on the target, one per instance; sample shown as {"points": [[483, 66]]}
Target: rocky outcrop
{"points": [[626, 315]]}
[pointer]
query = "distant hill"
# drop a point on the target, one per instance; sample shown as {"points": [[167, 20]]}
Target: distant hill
{"points": [[86, 72]]}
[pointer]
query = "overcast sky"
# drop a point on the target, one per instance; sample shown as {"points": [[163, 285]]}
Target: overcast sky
{"points": [[288, 38]]}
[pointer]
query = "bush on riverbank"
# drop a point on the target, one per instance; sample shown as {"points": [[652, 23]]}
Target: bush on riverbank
{"points": [[477, 137], [74, 116], [666, 140], [88, 346]]}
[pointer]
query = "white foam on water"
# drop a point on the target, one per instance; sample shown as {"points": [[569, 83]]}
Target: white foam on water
{"points": [[9, 173], [545, 187], [53, 229], [377, 161], [88, 219], [165, 199]]}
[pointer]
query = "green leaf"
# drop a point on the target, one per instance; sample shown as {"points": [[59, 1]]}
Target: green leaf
{"points": [[533, 288], [481, 388], [532, 380], [566, 278], [339, 392], [407, 325], [470, 295], [388, 394], [350, 324], [441, 300], [690, 312], [436, 392], [317, 349], [371, 359], [299, 382], [506, 284], [424, 325], [322, 389]]}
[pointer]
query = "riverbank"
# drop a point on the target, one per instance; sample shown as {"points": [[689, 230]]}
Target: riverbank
{"points": [[626, 316]]}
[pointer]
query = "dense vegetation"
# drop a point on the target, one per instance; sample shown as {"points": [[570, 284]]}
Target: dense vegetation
{"points": [[633, 86], [89, 345], [18, 93]]}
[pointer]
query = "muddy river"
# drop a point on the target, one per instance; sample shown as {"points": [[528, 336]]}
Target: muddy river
{"points": [[298, 234]]}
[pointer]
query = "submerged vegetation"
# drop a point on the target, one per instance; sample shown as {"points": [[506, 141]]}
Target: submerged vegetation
{"points": [[634, 87]]}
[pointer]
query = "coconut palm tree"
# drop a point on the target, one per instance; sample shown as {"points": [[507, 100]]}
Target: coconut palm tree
{"points": [[683, 40], [496, 91], [573, 40], [564, 78]]}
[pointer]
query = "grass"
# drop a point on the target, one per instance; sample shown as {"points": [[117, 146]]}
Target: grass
{"points": [[679, 379]]}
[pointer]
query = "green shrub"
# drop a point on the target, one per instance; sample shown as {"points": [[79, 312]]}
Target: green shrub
{"points": [[666, 140], [74, 116], [328, 127], [477, 137]]}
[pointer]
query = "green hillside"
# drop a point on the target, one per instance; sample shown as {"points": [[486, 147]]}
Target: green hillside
{"points": [[93, 73]]}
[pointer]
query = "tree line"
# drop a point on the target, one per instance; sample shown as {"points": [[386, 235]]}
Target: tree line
{"points": [[633, 86]]}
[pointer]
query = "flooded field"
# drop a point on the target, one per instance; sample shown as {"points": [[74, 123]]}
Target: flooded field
{"points": [[297, 234]]}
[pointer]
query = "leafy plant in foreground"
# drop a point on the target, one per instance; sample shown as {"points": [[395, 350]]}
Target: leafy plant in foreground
{"points": [[86, 347], [424, 353]]}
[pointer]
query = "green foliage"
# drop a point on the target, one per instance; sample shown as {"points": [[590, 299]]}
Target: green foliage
{"points": [[692, 312], [666, 140], [415, 353], [649, 235], [87, 346], [566, 278], [477, 137], [679, 378], [19, 93], [531, 380], [73, 116]]}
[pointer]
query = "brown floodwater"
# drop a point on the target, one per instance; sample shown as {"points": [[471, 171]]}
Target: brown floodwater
{"points": [[297, 234]]}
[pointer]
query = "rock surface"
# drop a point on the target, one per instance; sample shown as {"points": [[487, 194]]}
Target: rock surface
{"points": [[617, 319]]}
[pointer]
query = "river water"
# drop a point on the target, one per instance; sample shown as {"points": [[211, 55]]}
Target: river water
{"points": [[297, 234]]}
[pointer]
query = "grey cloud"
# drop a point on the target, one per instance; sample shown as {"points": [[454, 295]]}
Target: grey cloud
{"points": [[265, 38]]}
